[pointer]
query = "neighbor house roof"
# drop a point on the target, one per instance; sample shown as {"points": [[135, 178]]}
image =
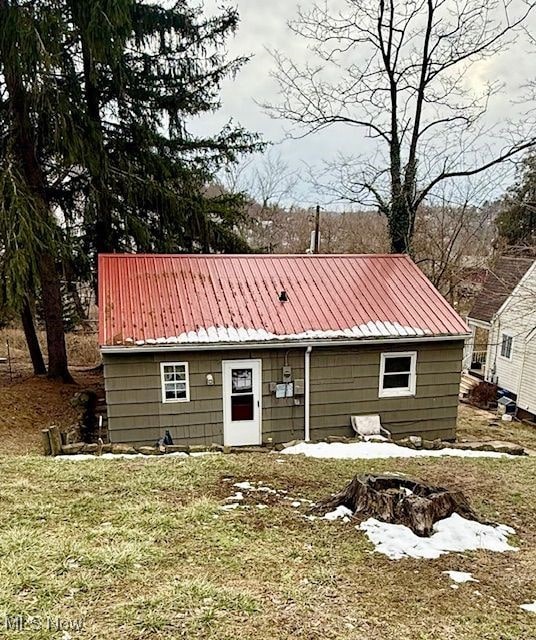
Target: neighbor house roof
{"points": [[148, 300], [500, 282]]}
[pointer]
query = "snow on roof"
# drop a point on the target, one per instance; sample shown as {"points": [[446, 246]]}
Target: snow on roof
{"points": [[150, 300]]}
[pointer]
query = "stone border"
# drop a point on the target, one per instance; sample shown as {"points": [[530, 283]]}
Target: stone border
{"points": [[413, 442]]}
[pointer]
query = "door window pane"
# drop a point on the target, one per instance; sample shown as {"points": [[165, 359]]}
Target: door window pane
{"points": [[242, 381], [242, 407]]}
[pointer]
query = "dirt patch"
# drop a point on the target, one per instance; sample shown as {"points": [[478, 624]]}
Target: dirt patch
{"points": [[29, 404]]}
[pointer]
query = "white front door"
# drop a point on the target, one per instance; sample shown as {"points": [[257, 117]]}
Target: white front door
{"points": [[242, 386]]}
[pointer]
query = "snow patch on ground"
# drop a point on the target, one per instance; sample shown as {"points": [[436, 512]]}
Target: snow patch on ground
{"points": [[236, 497], [229, 507], [451, 534], [459, 576], [282, 494], [79, 457], [374, 450], [531, 607], [340, 512], [244, 485]]}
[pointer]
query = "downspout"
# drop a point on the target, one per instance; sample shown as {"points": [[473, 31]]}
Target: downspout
{"points": [[307, 396]]}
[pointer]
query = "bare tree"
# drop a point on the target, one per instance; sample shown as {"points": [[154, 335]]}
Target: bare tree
{"points": [[454, 239], [270, 182], [397, 70]]}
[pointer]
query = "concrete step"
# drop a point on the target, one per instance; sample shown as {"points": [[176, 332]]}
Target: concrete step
{"points": [[467, 383]]}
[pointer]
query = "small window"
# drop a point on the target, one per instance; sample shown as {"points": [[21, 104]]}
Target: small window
{"points": [[175, 382], [506, 346], [398, 375]]}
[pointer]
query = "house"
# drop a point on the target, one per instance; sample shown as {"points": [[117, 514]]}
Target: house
{"points": [[250, 349], [502, 347]]}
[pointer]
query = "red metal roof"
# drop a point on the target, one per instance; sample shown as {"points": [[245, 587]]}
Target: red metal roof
{"points": [[168, 299]]}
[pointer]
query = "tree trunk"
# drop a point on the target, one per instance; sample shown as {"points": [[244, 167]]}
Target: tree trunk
{"points": [[399, 500], [26, 153], [31, 339], [399, 227], [53, 312]]}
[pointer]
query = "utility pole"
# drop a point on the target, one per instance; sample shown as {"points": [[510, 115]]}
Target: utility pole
{"points": [[316, 248]]}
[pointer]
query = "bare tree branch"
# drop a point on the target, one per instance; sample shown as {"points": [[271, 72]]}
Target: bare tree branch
{"points": [[397, 70]]}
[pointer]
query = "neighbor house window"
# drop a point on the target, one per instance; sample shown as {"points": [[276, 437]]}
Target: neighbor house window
{"points": [[175, 382], [398, 375], [506, 346]]}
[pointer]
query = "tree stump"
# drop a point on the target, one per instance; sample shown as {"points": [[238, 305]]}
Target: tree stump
{"points": [[399, 500]]}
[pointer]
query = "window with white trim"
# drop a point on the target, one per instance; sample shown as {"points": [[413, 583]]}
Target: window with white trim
{"points": [[175, 381], [507, 342], [398, 374]]}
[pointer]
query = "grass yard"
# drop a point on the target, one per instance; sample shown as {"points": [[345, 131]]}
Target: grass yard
{"points": [[142, 549]]}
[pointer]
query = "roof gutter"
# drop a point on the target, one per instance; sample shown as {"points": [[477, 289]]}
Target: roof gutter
{"points": [[227, 346], [483, 324]]}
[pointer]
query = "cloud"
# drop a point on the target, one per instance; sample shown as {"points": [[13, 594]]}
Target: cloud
{"points": [[264, 27]]}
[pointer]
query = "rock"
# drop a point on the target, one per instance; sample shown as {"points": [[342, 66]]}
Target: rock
{"points": [[72, 449], [406, 442], [90, 448], [248, 450], [197, 448], [73, 435], [433, 444], [122, 449], [216, 447], [342, 439], [498, 446], [177, 448], [416, 441], [106, 448], [227, 449], [290, 443], [149, 451]]}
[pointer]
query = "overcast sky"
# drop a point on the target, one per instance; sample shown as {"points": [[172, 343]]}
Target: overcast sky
{"points": [[264, 26]]}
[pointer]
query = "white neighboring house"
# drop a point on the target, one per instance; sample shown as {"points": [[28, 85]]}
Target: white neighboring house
{"points": [[502, 348]]}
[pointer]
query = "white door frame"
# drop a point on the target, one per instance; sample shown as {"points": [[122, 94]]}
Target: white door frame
{"points": [[256, 366]]}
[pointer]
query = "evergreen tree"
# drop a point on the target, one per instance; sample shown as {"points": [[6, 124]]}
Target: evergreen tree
{"points": [[95, 148], [146, 69], [33, 102], [516, 221]]}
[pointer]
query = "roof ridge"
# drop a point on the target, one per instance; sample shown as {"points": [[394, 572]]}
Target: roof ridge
{"points": [[254, 255]]}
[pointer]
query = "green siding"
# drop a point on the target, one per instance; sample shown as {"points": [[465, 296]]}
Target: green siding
{"points": [[344, 382], [137, 414]]}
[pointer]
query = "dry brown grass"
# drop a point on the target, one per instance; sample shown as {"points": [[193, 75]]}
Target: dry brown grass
{"points": [[477, 424], [82, 348]]}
